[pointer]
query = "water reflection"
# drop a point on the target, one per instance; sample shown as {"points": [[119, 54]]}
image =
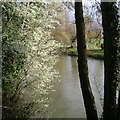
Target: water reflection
{"points": [[96, 75], [67, 99]]}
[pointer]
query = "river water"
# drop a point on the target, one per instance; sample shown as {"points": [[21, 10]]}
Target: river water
{"points": [[67, 97]]}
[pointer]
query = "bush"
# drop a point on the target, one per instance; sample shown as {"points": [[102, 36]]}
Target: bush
{"points": [[28, 58]]}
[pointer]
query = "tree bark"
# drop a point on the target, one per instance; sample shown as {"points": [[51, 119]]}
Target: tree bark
{"points": [[110, 32], [89, 102]]}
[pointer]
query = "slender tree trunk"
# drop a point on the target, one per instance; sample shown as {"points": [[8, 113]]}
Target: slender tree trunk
{"points": [[89, 102], [110, 32]]}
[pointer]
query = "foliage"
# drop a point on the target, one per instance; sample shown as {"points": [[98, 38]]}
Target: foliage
{"points": [[93, 44], [28, 57], [13, 59]]}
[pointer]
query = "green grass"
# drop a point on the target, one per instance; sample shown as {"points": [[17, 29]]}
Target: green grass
{"points": [[73, 50], [95, 53]]}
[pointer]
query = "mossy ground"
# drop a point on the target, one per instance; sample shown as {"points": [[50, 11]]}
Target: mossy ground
{"points": [[94, 53]]}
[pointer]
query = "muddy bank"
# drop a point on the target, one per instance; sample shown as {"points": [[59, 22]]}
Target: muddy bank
{"points": [[94, 53]]}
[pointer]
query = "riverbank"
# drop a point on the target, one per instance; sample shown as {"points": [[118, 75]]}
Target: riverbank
{"points": [[94, 53]]}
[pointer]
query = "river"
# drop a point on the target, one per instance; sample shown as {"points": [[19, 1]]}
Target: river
{"points": [[67, 97]]}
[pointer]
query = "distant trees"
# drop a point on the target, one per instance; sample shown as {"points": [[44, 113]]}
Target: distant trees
{"points": [[66, 32], [110, 32]]}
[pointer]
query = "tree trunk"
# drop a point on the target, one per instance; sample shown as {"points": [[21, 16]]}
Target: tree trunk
{"points": [[89, 102], [110, 32]]}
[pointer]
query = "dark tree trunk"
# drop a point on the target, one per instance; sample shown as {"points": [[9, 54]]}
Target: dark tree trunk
{"points": [[89, 102], [110, 32]]}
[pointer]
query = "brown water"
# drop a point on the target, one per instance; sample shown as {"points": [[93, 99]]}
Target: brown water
{"points": [[67, 98]]}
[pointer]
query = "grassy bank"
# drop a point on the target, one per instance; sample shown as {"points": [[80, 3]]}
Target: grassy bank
{"points": [[94, 53]]}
